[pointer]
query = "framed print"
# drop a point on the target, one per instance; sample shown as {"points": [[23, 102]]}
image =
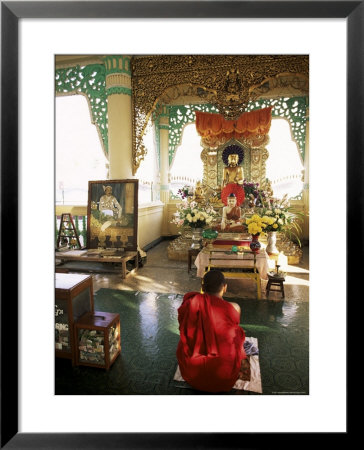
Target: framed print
{"points": [[14, 221], [112, 214]]}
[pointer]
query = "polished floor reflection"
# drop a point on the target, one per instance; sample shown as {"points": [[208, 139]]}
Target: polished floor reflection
{"points": [[147, 303], [160, 274]]}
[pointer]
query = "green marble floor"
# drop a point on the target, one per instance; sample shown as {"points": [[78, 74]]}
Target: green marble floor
{"points": [[149, 336]]}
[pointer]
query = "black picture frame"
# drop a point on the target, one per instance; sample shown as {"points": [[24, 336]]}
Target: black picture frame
{"points": [[11, 13]]}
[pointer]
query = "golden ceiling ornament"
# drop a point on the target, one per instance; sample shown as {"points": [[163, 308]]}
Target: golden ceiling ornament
{"points": [[283, 84], [233, 98], [216, 79]]}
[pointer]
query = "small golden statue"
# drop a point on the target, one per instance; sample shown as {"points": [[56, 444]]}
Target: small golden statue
{"points": [[199, 194], [233, 84], [268, 188]]}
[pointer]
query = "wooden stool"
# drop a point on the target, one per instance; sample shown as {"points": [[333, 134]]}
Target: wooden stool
{"points": [[274, 280], [192, 252]]}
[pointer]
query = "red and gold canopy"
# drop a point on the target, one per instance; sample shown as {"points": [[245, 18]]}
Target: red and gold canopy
{"points": [[215, 130]]}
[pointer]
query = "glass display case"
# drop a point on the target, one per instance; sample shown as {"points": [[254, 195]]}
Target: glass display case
{"points": [[73, 298], [97, 337]]}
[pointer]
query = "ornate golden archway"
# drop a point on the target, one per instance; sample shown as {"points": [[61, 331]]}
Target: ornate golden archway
{"points": [[228, 82]]}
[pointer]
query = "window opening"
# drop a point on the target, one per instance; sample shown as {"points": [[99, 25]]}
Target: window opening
{"points": [[284, 166], [148, 170], [79, 155], [187, 166]]}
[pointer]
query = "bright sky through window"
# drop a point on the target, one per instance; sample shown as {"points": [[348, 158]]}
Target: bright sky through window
{"points": [[79, 156], [187, 161], [148, 170], [284, 165]]}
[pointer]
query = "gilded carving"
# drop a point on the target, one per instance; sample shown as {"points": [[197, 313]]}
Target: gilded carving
{"points": [[284, 84], [209, 160], [264, 155], [254, 164], [228, 82], [255, 156]]}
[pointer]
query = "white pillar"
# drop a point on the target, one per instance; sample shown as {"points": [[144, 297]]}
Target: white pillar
{"points": [[164, 168], [120, 140]]}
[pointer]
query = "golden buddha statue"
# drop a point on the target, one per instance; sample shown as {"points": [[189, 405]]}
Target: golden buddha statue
{"points": [[233, 173]]}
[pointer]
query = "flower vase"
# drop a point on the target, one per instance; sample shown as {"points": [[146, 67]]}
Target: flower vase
{"points": [[271, 248], [255, 244]]}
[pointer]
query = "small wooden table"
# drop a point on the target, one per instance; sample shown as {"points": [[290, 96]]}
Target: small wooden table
{"points": [[101, 257], [233, 266], [275, 280]]}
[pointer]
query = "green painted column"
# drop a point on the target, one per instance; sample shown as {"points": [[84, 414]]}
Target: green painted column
{"points": [[118, 91]]}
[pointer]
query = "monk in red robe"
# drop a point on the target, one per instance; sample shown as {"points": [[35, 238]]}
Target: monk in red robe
{"points": [[210, 349]]}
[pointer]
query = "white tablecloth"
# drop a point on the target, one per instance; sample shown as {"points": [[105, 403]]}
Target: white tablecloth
{"points": [[243, 260]]}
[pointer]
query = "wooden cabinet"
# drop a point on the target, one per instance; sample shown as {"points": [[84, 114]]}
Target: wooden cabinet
{"points": [[97, 337], [73, 298]]}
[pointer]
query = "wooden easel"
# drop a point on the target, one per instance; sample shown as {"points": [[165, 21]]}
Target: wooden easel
{"points": [[67, 233]]}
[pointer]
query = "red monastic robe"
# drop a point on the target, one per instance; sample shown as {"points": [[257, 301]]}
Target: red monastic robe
{"points": [[210, 349]]}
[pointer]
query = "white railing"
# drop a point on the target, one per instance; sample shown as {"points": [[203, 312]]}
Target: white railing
{"points": [[178, 179], [287, 178], [148, 192]]}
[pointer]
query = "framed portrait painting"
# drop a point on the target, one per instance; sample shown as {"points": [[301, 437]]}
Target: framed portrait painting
{"points": [[112, 214]]}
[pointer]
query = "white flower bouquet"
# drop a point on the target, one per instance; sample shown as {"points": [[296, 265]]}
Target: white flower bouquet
{"points": [[192, 215]]}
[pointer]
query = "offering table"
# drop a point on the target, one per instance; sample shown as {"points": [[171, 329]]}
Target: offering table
{"points": [[243, 264], [101, 256]]}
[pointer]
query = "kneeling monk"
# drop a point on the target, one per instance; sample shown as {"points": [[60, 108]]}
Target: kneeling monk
{"points": [[210, 349]]}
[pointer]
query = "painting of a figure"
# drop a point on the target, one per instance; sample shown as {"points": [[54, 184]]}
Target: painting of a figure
{"points": [[112, 214]]}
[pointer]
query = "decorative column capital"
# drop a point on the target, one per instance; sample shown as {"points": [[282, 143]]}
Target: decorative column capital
{"points": [[117, 64], [118, 74], [163, 121]]}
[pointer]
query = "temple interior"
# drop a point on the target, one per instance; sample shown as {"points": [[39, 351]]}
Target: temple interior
{"points": [[185, 157]]}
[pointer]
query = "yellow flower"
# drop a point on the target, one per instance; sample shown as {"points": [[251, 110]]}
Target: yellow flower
{"points": [[267, 220], [275, 226], [254, 228], [256, 218]]}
